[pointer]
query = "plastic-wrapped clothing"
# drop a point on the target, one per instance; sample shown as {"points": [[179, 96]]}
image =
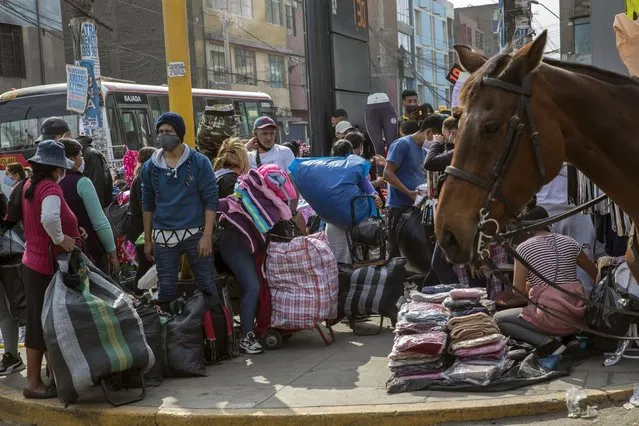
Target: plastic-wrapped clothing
{"points": [[499, 354], [465, 312], [467, 293], [407, 327], [395, 356], [432, 343], [330, 184], [477, 372], [441, 288], [422, 307], [480, 341], [396, 364], [431, 298], [481, 350], [415, 370], [461, 303]]}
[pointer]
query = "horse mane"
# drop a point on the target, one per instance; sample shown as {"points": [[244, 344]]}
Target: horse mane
{"points": [[592, 71], [498, 63]]}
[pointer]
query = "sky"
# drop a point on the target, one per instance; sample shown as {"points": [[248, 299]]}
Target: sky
{"points": [[541, 18]]}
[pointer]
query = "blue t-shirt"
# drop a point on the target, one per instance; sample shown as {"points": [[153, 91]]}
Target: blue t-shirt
{"points": [[409, 159]]}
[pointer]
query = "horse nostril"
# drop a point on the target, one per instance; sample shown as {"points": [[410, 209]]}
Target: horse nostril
{"points": [[449, 241]]}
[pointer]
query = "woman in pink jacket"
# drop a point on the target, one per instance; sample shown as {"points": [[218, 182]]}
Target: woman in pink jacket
{"points": [[556, 258]]}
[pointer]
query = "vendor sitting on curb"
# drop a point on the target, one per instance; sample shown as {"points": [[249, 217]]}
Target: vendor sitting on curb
{"points": [[555, 257]]}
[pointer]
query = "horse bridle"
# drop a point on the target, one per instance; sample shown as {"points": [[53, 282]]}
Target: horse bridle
{"points": [[513, 136]]}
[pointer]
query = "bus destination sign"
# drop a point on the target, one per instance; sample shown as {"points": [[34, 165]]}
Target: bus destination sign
{"points": [[131, 98]]}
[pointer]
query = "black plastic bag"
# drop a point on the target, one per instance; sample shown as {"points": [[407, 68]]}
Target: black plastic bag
{"points": [[153, 334], [184, 337], [605, 320], [416, 238]]}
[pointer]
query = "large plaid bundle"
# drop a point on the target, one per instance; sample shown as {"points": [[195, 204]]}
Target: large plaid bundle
{"points": [[302, 277], [91, 328]]}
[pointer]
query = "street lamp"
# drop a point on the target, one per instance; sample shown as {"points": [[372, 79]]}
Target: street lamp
{"points": [[545, 7]]}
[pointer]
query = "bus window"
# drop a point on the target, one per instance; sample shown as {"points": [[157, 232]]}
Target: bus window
{"points": [[112, 114], [20, 118], [143, 125], [252, 113], [198, 109], [132, 138], [241, 114]]}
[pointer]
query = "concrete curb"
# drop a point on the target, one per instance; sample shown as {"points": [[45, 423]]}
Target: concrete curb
{"points": [[14, 408]]}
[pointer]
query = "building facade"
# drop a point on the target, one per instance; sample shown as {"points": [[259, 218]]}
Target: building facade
{"points": [[587, 35], [383, 45], [31, 43], [478, 27], [433, 44]]}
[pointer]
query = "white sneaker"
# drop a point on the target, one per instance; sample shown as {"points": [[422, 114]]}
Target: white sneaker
{"points": [[250, 344]]}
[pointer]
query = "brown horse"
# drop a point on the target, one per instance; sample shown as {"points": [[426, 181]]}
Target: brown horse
{"points": [[523, 117]]}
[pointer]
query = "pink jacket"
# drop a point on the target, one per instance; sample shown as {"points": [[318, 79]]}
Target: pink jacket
{"points": [[564, 308], [278, 181]]}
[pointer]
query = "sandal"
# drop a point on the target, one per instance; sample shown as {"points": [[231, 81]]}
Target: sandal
{"points": [[49, 393]]}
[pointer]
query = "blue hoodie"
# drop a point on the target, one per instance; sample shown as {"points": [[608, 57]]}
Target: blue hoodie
{"points": [[179, 197]]}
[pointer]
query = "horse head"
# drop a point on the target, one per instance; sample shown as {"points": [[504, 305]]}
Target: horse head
{"points": [[507, 146]]}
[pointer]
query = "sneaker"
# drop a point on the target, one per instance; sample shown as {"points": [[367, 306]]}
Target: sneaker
{"points": [[250, 345], [10, 364]]}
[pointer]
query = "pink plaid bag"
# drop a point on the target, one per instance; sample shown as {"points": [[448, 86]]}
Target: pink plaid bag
{"points": [[302, 277]]}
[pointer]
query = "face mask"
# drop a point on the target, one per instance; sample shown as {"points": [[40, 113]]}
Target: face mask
{"points": [[62, 176], [9, 181], [168, 142], [81, 168]]}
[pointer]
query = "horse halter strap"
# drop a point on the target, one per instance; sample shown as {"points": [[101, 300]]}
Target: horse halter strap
{"points": [[513, 136]]}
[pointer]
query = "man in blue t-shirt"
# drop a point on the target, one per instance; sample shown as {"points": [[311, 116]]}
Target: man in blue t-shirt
{"points": [[404, 172]]}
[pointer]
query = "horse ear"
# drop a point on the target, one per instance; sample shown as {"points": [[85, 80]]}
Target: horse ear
{"points": [[471, 61], [526, 59]]}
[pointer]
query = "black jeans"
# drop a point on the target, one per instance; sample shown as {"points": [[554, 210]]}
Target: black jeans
{"points": [[394, 219]]}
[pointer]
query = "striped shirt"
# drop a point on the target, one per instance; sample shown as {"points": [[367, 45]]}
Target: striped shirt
{"points": [[541, 254]]}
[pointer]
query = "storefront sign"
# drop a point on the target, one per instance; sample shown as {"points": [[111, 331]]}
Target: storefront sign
{"points": [[77, 88], [454, 74]]}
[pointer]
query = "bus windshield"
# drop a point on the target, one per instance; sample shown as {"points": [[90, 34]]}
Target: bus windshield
{"points": [[20, 118]]}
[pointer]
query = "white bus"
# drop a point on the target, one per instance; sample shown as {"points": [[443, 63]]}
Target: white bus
{"points": [[130, 111]]}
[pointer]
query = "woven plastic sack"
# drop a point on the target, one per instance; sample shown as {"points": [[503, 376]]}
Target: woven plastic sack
{"points": [[330, 184], [91, 328], [302, 277]]}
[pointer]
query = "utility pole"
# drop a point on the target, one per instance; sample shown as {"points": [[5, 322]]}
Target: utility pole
{"points": [[43, 78], [176, 44], [227, 45], [516, 22]]}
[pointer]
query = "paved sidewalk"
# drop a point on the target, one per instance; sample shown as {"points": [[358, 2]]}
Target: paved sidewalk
{"points": [[340, 384]]}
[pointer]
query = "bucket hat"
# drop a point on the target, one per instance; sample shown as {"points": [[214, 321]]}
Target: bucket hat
{"points": [[51, 153]]}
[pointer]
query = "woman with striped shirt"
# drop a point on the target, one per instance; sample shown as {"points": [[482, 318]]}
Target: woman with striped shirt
{"points": [[556, 258]]}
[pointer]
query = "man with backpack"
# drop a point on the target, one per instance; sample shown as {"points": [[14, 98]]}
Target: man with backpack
{"points": [[96, 168]]}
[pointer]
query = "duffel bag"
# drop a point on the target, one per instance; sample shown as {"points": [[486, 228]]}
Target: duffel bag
{"points": [[371, 289], [302, 277], [91, 328], [183, 339]]}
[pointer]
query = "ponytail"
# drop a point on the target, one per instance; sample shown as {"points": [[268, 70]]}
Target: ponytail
{"points": [[452, 122], [40, 173]]}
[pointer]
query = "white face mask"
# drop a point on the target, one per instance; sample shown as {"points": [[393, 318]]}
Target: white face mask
{"points": [[81, 168], [62, 176]]}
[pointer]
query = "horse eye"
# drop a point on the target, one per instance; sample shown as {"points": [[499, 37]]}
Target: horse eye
{"points": [[491, 128]]}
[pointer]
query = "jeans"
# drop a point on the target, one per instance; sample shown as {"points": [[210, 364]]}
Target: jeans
{"points": [[510, 324], [441, 268], [394, 218], [241, 262], [167, 260], [8, 325]]}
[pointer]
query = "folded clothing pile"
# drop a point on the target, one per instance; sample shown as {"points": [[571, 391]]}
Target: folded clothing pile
{"points": [[466, 301], [434, 294], [420, 344], [479, 347]]}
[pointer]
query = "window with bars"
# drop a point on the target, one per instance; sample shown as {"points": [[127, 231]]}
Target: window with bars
{"points": [[12, 52], [216, 65], [290, 19], [245, 67], [216, 4], [274, 12], [276, 67], [403, 11]]}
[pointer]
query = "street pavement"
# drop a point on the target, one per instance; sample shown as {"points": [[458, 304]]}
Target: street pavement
{"points": [[306, 374]]}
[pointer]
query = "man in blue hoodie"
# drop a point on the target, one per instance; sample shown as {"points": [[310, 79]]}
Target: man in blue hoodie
{"points": [[179, 200]]}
